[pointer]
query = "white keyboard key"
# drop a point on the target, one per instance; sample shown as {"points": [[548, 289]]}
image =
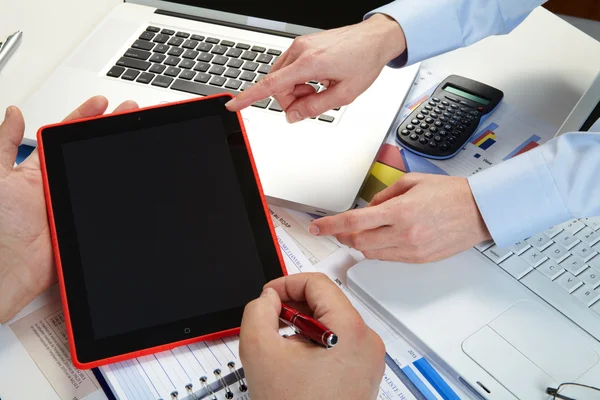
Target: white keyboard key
{"points": [[566, 240], [496, 254], [539, 241], [550, 269], [568, 282], [592, 222], [596, 307], [556, 252], [595, 263], [555, 230], [517, 267], [572, 226], [519, 247], [574, 265], [587, 295], [533, 257], [584, 252], [590, 277], [483, 246], [588, 236]]}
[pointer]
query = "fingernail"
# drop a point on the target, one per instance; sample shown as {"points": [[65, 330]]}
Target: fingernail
{"points": [[293, 116], [266, 292], [8, 111], [230, 103], [314, 230]]}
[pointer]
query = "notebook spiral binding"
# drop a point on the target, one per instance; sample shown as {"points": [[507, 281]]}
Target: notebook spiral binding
{"points": [[212, 390]]}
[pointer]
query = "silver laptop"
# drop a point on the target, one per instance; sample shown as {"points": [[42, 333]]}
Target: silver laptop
{"points": [[155, 51], [506, 323]]}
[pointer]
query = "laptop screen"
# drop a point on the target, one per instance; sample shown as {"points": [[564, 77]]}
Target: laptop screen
{"points": [[311, 13]]}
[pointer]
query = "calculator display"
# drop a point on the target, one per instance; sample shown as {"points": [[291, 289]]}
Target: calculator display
{"points": [[466, 95]]}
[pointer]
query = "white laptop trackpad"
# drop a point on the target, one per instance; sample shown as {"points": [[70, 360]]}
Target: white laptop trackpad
{"points": [[527, 349]]}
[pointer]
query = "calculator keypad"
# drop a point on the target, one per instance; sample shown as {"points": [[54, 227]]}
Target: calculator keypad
{"points": [[439, 127]]}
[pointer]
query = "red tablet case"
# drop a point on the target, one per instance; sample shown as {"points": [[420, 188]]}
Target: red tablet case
{"points": [[63, 294]]}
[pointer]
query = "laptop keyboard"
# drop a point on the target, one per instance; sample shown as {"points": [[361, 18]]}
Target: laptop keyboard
{"points": [[561, 265], [200, 65]]}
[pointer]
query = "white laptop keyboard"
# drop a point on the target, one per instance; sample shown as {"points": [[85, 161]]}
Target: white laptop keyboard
{"points": [[562, 266]]}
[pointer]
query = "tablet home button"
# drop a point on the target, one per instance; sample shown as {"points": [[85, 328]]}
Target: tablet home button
{"points": [[187, 330]]}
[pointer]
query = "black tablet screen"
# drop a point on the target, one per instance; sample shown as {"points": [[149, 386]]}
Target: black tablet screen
{"points": [[162, 226]]}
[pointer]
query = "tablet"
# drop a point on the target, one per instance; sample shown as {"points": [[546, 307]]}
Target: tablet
{"points": [[160, 229]]}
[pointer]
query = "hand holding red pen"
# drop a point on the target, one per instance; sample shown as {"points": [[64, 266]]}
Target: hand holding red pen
{"points": [[295, 368]]}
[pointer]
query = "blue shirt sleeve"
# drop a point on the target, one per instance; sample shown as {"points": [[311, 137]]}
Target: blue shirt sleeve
{"points": [[541, 188], [433, 27]]}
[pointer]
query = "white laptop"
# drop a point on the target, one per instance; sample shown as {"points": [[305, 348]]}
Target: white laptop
{"points": [[505, 323], [154, 51]]}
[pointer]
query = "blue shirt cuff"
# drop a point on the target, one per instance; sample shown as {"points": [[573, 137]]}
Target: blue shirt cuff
{"points": [[417, 18], [518, 198]]}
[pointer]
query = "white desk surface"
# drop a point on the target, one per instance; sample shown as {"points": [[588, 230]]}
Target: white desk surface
{"points": [[543, 67]]}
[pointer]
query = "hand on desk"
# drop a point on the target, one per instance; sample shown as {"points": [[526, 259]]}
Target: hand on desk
{"points": [[293, 368], [26, 259], [420, 218], [345, 60]]}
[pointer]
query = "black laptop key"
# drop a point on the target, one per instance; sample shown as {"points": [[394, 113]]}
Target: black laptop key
{"points": [[172, 71], [274, 52], [326, 118], [202, 77], [249, 55], [160, 38], [146, 36], [227, 43], [184, 35], [175, 41], [157, 58], [233, 84], [204, 46], [137, 53], [161, 48], [247, 76], [197, 37], [157, 68], [168, 31], [250, 66], [275, 106], [259, 49], [145, 77], [154, 29], [187, 75], [199, 89], [219, 50], [201, 66], [172, 61], [242, 46], [264, 69], [218, 80], [175, 51], [187, 64], [235, 63], [212, 40], [259, 77], [115, 71], [234, 53], [162, 81], [220, 60], [262, 103], [246, 85], [142, 44], [264, 58], [216, 69], [232, 73], [133, 63], [130, 74], [206, 57], [190, 44]]}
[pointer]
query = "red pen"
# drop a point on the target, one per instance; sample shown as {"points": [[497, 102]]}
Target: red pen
{"points": [[308, 327]]}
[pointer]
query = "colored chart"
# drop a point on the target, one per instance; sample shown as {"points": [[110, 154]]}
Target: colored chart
{"points": [[529, 144], [417, 102], [486, 137]]}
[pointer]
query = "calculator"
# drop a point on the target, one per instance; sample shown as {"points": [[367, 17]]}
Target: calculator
{"points": [[441, 125]]}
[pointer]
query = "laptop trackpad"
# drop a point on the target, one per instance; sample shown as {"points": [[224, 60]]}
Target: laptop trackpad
{"points": [[528, 348]]}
